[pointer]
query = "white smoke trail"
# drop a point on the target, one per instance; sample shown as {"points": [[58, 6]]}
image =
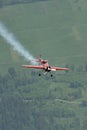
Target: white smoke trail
{"points": [[10, 39]]}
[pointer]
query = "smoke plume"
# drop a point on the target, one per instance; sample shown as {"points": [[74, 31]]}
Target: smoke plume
{"points": [[11, 40]]}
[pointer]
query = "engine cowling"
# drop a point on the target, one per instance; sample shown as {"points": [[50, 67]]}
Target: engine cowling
{"points": [[48, 69]]}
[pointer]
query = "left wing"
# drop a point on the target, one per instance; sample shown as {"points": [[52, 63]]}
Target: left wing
{"points": [[32, 66], [58, 68]]}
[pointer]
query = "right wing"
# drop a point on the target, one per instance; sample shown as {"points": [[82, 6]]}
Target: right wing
{"points": [[32, 66]]}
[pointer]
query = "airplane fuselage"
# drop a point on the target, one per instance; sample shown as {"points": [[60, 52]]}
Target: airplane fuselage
{"points": [[45, 65]]}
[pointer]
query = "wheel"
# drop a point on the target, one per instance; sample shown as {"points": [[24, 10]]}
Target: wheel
{"points": [[51, 75], [39, 74]]}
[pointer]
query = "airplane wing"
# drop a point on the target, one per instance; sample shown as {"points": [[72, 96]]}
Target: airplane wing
{"points": [[32, 66], [58, 68]]}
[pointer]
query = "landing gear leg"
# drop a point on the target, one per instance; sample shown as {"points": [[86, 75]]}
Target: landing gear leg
{"points": [[45, 73]]}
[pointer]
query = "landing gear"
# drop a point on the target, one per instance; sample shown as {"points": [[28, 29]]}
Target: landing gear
{"points": [[45, 73], [50, 75]]}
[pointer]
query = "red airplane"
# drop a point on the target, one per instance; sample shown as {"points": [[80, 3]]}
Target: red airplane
{"points": [[43, 65]]}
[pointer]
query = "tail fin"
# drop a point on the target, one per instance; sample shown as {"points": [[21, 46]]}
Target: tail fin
{"points": [[40, 56], [39, 59]]}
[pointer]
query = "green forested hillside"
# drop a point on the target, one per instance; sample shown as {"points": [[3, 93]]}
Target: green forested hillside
{"points": [[57, 30]]}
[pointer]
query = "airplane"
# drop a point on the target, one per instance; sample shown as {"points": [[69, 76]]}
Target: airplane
{"points": [[43, 65]]}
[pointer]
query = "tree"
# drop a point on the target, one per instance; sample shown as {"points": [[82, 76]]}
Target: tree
{"points": [[12, 72], [84, 124], [75, 124], [75, 84], [84, 103]]}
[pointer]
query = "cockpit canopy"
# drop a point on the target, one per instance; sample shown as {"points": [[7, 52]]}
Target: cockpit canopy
{"points": [[44, 61]]}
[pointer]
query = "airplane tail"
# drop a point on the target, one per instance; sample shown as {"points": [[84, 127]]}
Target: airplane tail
{"points": [[39, 59]]}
